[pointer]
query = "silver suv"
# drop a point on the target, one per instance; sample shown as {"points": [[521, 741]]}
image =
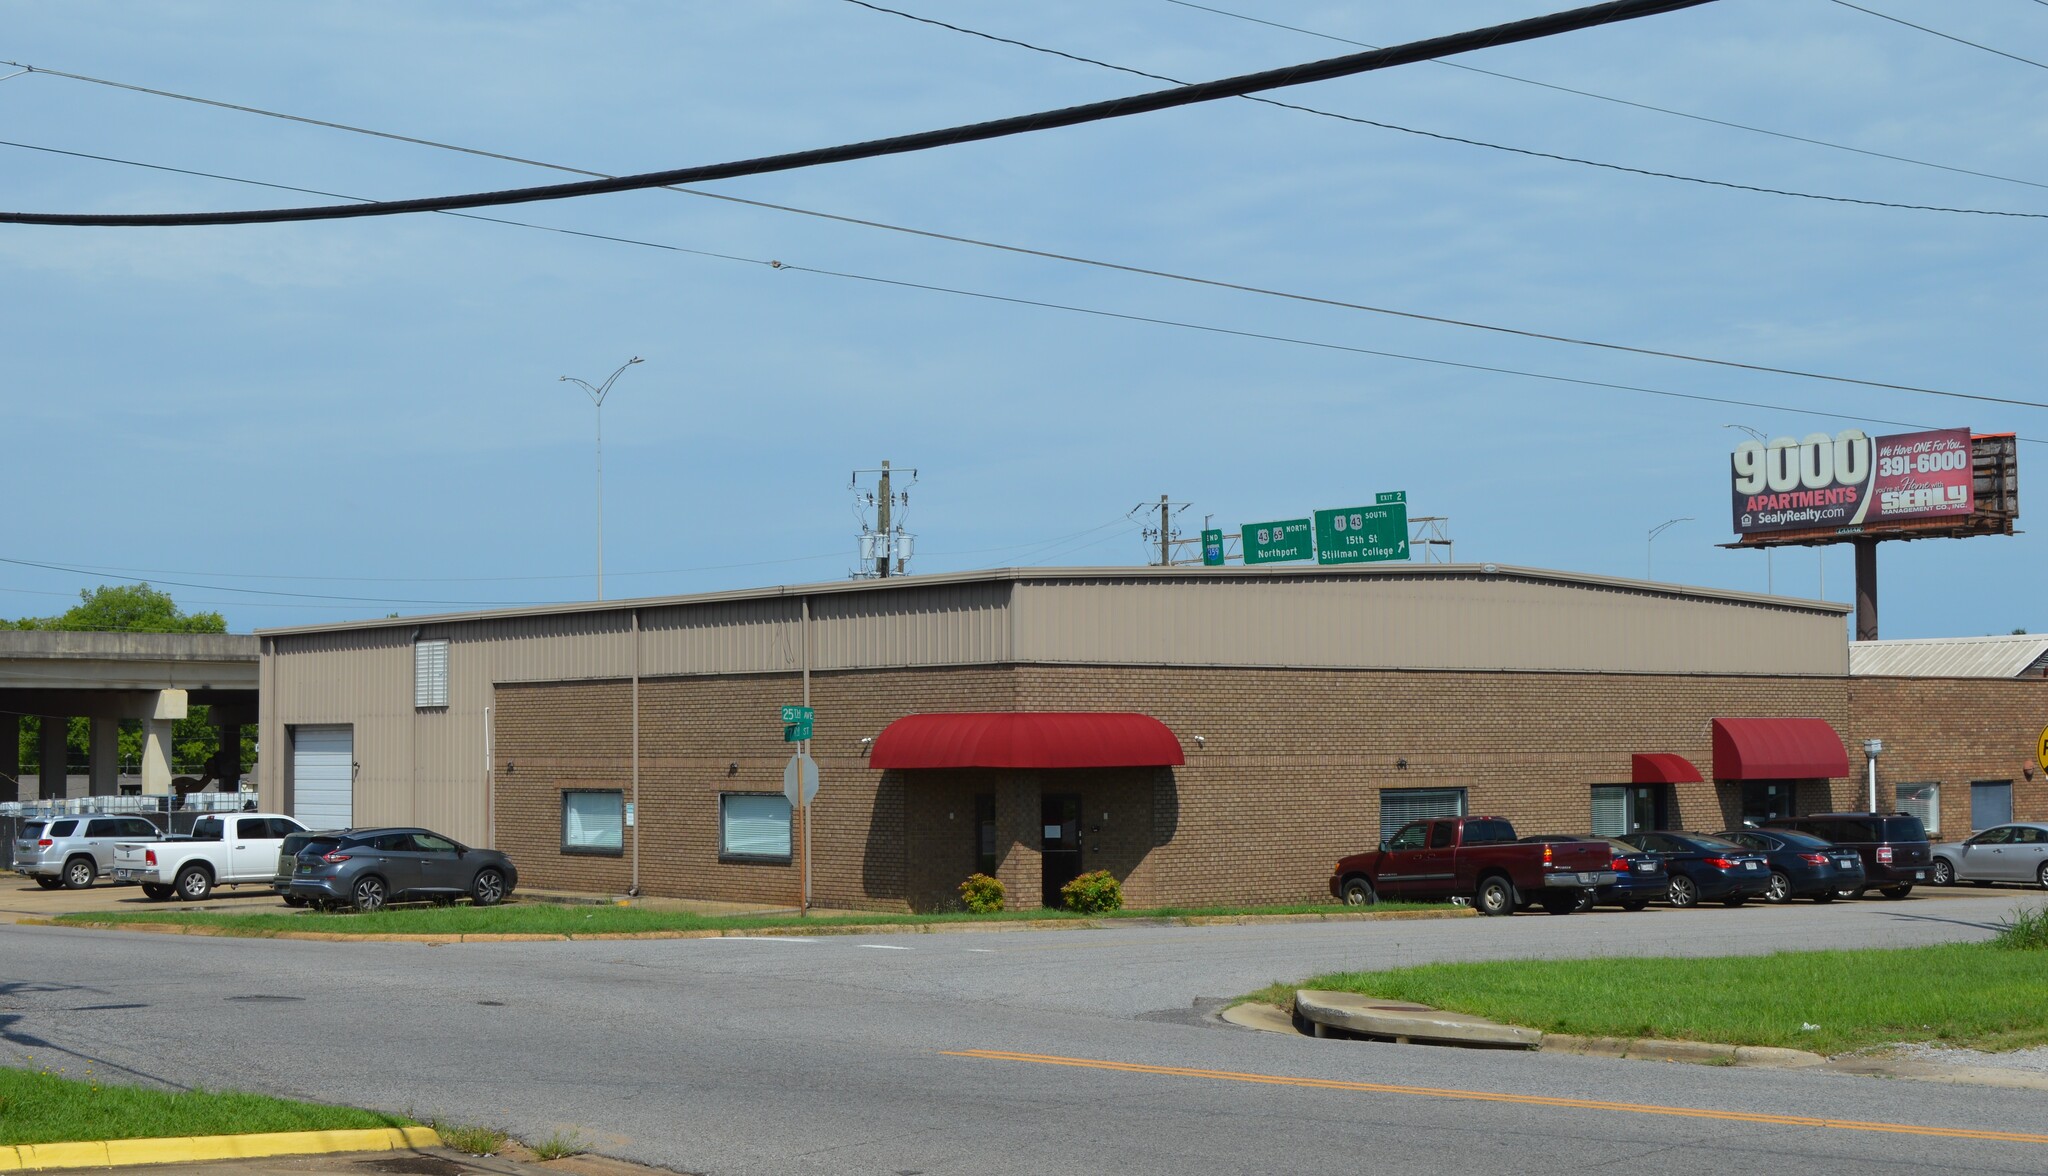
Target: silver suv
{"points": [[74, 851]]}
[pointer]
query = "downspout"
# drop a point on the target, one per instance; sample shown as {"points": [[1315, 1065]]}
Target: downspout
{"points": [[634, 890]]}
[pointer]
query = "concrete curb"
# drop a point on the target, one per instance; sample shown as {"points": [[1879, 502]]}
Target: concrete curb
{"points": [[1706, 1052], [1403, 1023], [109, 1153], [430, 940]]}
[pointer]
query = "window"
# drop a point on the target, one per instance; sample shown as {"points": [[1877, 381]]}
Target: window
{"points": [[1442, 834], [1990, 803], [138, 828], [63, 829], [985, 834], [428, 843], [393, 843], [1398, 806], [103, 827], [1410, 837], [1484, 832], [753, 827], [1923, 801], [429, 674], [594, 821]]}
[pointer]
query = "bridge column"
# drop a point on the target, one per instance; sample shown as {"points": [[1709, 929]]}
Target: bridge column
{"points": [[156, 741], [104, 758], [10, 758], [52, 779]]}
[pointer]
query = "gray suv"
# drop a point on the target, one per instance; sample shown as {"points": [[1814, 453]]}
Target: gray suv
{"points": [[74, 851], [367, 868]]}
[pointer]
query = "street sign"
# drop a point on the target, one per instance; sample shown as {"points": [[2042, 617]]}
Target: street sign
{"points": [[2042, 755], [1212, 549], [804, 768], [1386, 497], [1362, 534], [1277, 542], [796, 723]]}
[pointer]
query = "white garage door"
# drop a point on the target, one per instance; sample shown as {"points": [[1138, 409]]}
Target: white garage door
{"points": [[323, 776]]}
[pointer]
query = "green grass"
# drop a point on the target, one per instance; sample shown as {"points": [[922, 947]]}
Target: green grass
{"points": [[42, 1106], [559, 1147], [1985, 996], [538, 918], [477, 1141]]}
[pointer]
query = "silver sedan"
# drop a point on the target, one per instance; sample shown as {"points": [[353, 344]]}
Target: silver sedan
{"points": [[2004, 853]]}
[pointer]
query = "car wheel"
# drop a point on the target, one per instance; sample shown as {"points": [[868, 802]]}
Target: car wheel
{"points": [[1354, 892], [1683, 892], [1587, 900], [79, 873], [157, 891], [1781, 888], [1635, 904], [194, 883], [1824, 896], [1735, 900], [1559, 904], [1897, 891], [48, 883], [368, 893], [2041, 875], [294, 900], [1943, 873], [1495, 896], [489, 889]]}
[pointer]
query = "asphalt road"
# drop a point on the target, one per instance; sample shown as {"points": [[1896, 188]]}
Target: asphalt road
{"points": [[993, 1053]]}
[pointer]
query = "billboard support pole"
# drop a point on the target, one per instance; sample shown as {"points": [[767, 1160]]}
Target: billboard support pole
{"points": [[1866, 589]]}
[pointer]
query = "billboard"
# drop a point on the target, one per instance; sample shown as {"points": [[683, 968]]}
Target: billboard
{"points": [[1852, 482]]}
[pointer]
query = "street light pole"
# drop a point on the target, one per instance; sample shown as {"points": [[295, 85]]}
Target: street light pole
{"points": [[1770, 574], [1649, 549], [597, 395]]}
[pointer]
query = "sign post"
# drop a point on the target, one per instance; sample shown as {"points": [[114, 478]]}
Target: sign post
{"points": [[802, 770]]}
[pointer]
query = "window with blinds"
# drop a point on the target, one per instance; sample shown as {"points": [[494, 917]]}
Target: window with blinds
{"points": [[753, 827], [1921, 800], [1610, 810], [429, 674], [594, 821], [1398, 806]]}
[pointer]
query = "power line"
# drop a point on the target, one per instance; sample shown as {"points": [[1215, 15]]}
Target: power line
{"points": [[1944, 36], [1652, 107], [929, 234], [1349, 65], [1110, 314], [1469, 142]]}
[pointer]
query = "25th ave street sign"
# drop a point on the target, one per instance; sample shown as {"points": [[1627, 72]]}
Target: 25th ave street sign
{"points": [[1363, 534], [796, 723], [1278, 542]]}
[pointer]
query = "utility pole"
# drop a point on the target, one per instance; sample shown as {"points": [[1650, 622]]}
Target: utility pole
{"points": [[882, 524], [1165, 536]]}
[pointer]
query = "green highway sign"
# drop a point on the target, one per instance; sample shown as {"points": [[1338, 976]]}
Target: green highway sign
{"points": [[796, 723], [1278, 542], [1363, 534], [1385, 497], [1212, 549]]}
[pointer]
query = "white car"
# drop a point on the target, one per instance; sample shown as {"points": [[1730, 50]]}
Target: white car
{"points": [[2003, 853]]}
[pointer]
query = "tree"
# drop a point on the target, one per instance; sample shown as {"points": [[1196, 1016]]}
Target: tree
{"points": [[131, 608]]}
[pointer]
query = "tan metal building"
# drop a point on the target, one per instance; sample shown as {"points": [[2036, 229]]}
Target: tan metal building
{"points": [[636, 744]]}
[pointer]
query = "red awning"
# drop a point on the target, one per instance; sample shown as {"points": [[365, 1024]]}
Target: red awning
{"points": [[1026, 739], [1777, 749], [1661, 767]]}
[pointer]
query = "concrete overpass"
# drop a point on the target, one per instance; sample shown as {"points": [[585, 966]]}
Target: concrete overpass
{"points": [[108, 677]]}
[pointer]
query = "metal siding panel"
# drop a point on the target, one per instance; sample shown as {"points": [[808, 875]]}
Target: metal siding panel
{"points": [[1472, 621]]}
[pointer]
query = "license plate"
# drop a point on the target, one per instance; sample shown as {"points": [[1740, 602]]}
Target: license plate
{"points": [[305, 870], [124, 875], [1645, 867], [1846, 863], [1749, 865], [1919, 876]]}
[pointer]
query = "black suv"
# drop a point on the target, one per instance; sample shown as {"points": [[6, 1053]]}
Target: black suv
{"points": [[1893, 846]]}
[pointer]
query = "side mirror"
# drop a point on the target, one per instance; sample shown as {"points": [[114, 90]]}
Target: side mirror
{"points": [[1383, 847]]}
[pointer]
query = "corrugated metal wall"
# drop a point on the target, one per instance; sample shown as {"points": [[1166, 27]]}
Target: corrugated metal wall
{"points": [[1438, 620]]}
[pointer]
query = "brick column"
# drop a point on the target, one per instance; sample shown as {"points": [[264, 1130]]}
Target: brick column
{"points": [[1018, 836]]}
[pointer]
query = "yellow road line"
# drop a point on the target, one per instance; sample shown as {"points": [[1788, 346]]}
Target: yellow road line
{"points": [[1533, 1100]]}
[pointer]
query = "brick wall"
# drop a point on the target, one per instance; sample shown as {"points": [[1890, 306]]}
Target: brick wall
{"points": [[1288, 779]]}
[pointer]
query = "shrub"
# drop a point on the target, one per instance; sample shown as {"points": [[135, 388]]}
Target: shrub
{"points": [[1093, 893], [982, 894], [2026, 930]]}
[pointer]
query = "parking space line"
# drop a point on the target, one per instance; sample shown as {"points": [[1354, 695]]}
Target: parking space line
{"points": [[1493, 1096], [885, 947]]}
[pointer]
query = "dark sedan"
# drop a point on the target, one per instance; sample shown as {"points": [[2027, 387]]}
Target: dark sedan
{"points": [[1706, 869], [1802, 865], [1638, 875], [368, 868]]}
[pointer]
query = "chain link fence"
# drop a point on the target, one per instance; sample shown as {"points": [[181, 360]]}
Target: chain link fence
{"points": [[173, 815]]}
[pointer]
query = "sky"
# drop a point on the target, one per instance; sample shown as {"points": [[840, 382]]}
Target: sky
{"points": [[303, 423]]}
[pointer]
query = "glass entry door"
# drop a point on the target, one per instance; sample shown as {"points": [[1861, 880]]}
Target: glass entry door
{"points": [[1060, 851]]}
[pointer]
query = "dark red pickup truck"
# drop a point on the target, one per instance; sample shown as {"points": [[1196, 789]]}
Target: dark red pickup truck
{"points": [[1475, 857]]}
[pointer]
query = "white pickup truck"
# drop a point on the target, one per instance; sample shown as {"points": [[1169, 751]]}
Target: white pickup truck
{"points": [[231, 849]]}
